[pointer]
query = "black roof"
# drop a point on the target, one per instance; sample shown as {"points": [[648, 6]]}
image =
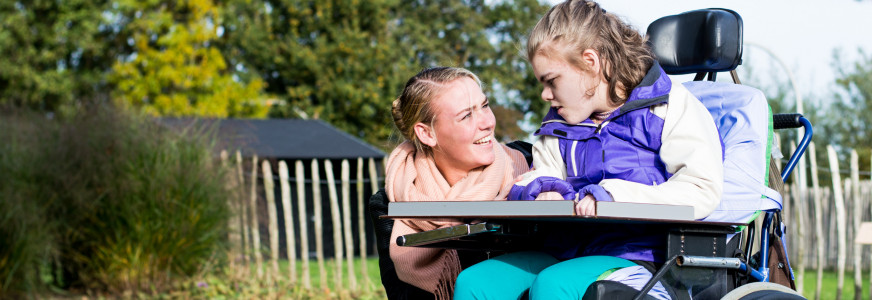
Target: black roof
{"points": [[284, 138]]}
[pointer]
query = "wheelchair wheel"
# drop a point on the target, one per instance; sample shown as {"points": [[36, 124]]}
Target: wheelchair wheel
{"points": [[762, 291]]}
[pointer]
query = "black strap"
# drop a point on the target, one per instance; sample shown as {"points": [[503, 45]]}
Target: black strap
{"points": [[525, 148], [674, 293]]}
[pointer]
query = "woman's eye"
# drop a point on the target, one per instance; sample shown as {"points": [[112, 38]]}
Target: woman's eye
{"points": [[466, 116], [550, 82]]}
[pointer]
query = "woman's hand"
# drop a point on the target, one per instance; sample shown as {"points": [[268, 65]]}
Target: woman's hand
{"points": [[586, 206]]}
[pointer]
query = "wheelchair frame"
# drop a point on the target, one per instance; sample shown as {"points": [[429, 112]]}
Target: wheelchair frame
{"points": [[690, 244]]}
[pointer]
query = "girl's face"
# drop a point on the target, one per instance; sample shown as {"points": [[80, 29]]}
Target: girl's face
{"points": [[576, 94], [462, 134]]}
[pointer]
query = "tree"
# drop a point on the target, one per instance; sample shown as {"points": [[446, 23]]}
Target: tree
{"points": [[52, 52], [487, 39], [174, 70], [779, 94], [847, 121], [345, 61]]}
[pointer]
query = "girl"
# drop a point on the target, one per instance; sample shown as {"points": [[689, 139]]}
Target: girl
{"points": [[618, 130]]}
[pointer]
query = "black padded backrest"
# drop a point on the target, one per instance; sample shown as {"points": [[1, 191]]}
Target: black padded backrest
{"points": [[705, 40]]}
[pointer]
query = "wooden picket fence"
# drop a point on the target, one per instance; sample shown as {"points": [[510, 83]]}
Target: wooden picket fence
{"points": [[246, 228], [822, 221]]}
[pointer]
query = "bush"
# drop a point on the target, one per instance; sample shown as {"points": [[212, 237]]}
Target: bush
{"points": [[121, 203], [25, 240]]}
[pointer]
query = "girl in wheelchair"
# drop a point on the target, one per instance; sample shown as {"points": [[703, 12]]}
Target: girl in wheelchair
{"points": [[618, 130]]}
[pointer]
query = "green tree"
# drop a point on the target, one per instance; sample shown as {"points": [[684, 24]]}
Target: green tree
{"points": [[52, 52], [330, 60], [780, 95], [344, 61], [847, 119], [486, 38], [174, 68]]}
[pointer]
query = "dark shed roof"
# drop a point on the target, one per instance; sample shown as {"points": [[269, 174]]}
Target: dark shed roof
{"points": [[285, 138]]}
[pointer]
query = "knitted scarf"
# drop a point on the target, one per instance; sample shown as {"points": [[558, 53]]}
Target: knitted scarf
{"points": [[414, 177]]}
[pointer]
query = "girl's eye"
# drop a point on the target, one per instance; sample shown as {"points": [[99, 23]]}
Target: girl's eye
{"points": [[486, 104], [550, 82]]}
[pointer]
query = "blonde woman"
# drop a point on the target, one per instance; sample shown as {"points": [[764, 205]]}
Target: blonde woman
{"points": [[449, 154]]}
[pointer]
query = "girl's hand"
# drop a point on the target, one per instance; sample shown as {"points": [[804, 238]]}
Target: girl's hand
{"points": [[586, 206], [549, 196]]}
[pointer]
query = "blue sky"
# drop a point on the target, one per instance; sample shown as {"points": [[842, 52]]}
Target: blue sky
{"points": [[802, 33]]}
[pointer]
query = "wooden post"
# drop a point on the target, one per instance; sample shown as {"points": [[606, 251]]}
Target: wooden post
{"points": [[232, 230], [319, 223], [373, 176], [270, 192], [818, 221], [337, 224], [373, 182], [857, 209], [243, 211], [361, 222], [346, 223], [798, 224], [841, 225], [255, 232], [304, 227], [290, 238], [803, 220]]}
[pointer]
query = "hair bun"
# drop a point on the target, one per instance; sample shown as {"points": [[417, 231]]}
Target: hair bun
{"points": [[397, 114]]}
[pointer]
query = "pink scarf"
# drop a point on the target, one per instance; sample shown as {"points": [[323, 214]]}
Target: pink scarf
{"points": [[412, 177]]}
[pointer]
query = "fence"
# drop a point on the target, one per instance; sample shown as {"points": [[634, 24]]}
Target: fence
{"points": [[291, 231], [822, 221]]}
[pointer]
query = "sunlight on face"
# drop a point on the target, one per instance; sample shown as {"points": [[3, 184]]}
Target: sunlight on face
{"points": [[463, 127]]}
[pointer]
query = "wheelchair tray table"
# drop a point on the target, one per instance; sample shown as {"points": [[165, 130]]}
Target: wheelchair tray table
{"points": [[515, 233]]}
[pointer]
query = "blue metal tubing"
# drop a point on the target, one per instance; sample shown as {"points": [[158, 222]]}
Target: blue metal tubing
{"points": [[763, 269], [754, 273], [800, 149]]}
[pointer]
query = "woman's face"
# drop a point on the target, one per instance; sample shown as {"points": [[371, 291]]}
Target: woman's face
{"points": [[576, 94], [463, 129]]}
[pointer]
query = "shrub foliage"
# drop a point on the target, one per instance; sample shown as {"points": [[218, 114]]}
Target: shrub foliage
{"points": [[107, 201]]}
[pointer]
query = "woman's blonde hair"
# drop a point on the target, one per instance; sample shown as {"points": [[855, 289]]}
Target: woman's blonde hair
{"points": [[580, 25], [414, 104]]}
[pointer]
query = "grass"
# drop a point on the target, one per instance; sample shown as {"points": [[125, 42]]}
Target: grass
{"points": [[244, 284], [830, 284], [106, 202]]}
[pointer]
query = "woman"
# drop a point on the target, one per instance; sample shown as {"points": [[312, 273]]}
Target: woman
{"points": [[618, 130], [449, 154]]}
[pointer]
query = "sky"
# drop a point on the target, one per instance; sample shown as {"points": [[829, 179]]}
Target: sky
{"points": [[802, 33]]}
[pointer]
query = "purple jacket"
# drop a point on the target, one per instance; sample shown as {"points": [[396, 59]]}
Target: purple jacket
{"points": [[627, 147]]}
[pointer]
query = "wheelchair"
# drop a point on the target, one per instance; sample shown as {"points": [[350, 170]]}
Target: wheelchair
{"points": [[720, 257]]}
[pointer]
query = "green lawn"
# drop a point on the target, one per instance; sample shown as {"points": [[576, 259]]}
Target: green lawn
{"points": [[248, 286], [830, 282], [374, 290]]}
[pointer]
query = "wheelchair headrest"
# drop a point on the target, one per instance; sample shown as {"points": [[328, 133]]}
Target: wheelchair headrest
{"points": [[705, 40]]}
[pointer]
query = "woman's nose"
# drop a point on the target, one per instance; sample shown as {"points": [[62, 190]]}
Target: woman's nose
{"points": [[487, 121]]}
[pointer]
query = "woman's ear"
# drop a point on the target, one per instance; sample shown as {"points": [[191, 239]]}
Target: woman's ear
{"points": [[591, 58], [425, 134]]}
